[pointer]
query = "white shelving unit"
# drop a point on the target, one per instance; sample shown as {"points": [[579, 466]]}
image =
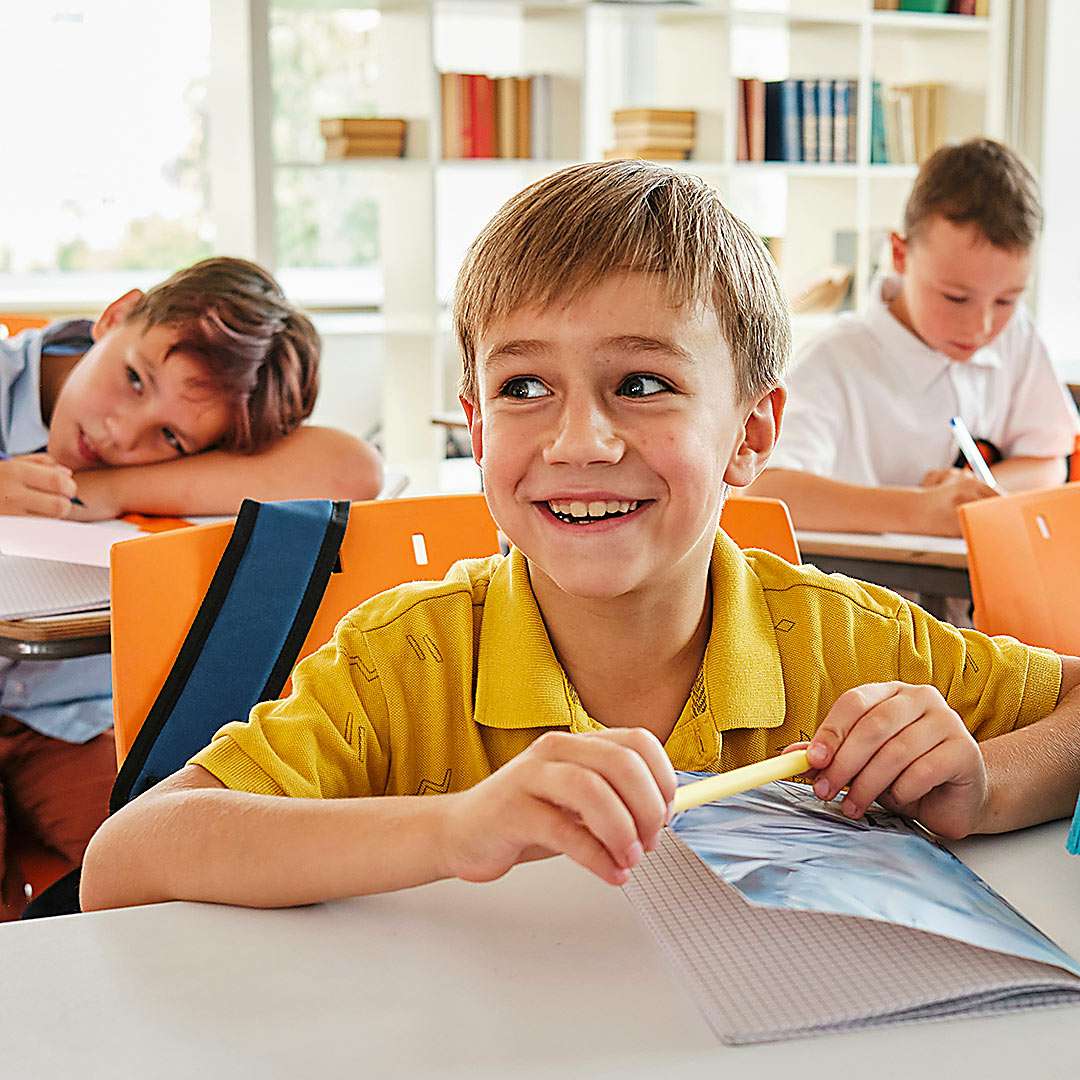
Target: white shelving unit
{"points": [[607, 55]]}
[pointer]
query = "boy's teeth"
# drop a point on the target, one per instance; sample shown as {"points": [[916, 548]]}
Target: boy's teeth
{"points": [[595, 509]]}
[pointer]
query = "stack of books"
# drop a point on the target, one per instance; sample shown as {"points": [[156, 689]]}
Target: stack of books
{"points": [[653, 134], [906, 123], [363, 136], [796, 120]]}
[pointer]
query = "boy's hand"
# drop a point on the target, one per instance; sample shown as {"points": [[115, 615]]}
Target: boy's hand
{"points": [[36, 484], [903, 746], [600, 798], [943, 490]]}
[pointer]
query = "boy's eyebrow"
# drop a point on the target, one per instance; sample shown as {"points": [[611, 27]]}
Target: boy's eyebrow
{"points": [[641, 343], [525, 347], [965, 287]]}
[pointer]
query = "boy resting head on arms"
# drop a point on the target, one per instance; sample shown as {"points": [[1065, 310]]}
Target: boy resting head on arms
{"points": [[867, 444], [198, 388], [184, 400], [624, 337]]}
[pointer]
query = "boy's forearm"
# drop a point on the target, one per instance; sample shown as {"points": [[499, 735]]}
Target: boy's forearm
{"points": [[1030, 473], [312, 462], [821, 503], [1034, 773], [222, 846]]}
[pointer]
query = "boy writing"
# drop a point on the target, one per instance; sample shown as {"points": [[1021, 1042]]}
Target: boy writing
{"points": [[867, 444], [198, 389], [624, 337]]}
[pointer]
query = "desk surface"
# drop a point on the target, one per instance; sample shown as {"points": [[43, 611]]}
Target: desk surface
{"points": [[887, 547], [546, 972]]}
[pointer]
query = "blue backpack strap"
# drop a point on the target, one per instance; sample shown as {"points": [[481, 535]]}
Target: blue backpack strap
{"points": [[246, 636]]}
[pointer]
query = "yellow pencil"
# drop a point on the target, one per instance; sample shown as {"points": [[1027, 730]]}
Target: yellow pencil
{"points": [[749, 776]]}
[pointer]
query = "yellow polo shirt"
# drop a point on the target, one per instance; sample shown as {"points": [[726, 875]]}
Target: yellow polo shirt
{"points": [[430, 687]]}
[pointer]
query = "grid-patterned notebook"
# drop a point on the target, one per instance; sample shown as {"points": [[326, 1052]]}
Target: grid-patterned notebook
{"points": [[30, 587], [755, 972]]}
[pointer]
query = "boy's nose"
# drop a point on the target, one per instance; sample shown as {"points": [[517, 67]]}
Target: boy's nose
{"points": [[585, 435], [122, 430]]}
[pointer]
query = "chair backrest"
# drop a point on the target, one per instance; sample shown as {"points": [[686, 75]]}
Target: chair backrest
{"points": [[159, 581], [10, 325], [1022, 561], [754, 522]]}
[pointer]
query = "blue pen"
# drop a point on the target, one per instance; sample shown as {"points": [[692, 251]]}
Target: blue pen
{"points": [[971, 452], [7, 457]]}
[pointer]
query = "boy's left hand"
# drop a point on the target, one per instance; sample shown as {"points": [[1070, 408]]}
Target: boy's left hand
{"points": [[905, 747]]}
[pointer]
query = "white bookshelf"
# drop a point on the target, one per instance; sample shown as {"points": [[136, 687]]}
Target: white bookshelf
{"points": [[609, 55]]}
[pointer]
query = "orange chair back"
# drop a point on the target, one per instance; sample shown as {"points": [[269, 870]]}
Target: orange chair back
{"points": [[754, 522], [158, 583], [1022, 561], [10, 325]]}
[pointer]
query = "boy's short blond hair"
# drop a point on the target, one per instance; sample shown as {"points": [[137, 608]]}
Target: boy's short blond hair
{"points": [[566, 233], [978, 182]]}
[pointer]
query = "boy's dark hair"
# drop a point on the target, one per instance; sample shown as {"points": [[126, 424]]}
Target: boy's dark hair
{"points": [[255, 346], [569, 231], [980, 182]]}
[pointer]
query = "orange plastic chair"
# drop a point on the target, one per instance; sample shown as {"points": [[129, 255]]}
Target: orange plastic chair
{"points": [[158, 583], [10, 325], [754, 522], [1022, 555]]}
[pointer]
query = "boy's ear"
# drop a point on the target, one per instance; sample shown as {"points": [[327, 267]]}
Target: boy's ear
{"points": [[115, 313], [898, 244], [476, 429], [760, 431]]}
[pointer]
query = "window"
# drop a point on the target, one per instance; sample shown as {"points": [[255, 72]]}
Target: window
{"points": [[104, 113]]}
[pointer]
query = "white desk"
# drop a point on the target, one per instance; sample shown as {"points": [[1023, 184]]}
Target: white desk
{"points": [[933, 566], [544, 973]]}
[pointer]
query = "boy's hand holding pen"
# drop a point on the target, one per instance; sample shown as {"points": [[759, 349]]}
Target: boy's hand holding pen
{"points": [[36, 484]]}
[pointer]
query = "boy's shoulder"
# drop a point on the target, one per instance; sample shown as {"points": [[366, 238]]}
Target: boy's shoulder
{"points": [[464, 588], [787, 587]]}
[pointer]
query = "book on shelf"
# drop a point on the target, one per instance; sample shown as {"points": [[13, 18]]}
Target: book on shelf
{"points": [[783, 123], [360, 146], [646, 153], [751, 100], [844, 120], [335, 127], [683, 117], [825, 122], [808, 101]]}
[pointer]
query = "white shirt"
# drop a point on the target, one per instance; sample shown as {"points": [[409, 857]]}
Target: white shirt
{"points": [[870, 404]]}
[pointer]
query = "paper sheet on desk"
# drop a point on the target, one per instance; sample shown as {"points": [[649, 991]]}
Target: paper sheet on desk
{"points": [[782, 847], [33, 587], [83, 542]]}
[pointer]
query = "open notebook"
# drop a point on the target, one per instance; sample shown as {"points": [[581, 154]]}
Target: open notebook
{"points": [[763, 973]]}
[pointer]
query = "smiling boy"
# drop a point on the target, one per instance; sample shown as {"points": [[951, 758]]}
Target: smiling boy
{"points": [[867, 444], [623, 338]]}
